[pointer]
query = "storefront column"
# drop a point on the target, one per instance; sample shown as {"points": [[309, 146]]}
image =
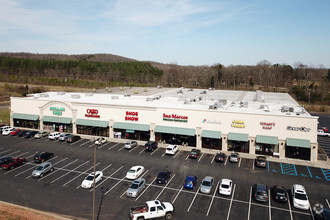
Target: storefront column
{"points": [[11, 120], [198, 137], [74, 119], [314, 151], [252, 147], [281, 148], [41, 115], [224, 143], [152, 131], [111, 122]]}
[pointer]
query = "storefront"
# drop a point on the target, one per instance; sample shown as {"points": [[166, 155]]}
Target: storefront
{"points": [[26, 120], [92, 127], [61, 124], [175, 135], [298, 148], [211, 139], [238, 142], [132, 131], [266, 145]]}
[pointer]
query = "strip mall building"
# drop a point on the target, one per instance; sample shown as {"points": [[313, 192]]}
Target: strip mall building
{"points": [[249, 122]]}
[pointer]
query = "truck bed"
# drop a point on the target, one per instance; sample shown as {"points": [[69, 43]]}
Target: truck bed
{"points": [[138, 209]]}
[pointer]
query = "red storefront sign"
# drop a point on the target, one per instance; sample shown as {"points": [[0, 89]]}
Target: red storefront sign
{"points": [[132, 116], [267, 125], [92, 113]]}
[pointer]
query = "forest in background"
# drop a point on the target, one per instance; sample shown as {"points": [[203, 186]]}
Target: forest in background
{"points": [[309, 84]]}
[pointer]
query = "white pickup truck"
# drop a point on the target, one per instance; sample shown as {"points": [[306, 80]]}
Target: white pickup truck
{"points": [[320, 132], [152, 209]]}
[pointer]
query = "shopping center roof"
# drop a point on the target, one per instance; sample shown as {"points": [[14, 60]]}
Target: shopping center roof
{"points": [[255, 102]]}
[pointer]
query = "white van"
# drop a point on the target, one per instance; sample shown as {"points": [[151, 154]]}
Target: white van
{"points": [[54, 135]]}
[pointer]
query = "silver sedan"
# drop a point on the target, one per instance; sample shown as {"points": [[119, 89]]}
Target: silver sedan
{"points": [[207, 184], [136, 187]]}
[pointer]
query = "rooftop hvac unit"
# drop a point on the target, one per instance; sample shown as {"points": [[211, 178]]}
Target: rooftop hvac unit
{"points": [[44, 95], [291, 109], [114, 97], [266, 107], [214, 107], [75, 96], [203, 92], [186, 102], [180, 91], [127, 95], [149, 99], [89, 94], [258, 96], [284, 108], [60, 93]]}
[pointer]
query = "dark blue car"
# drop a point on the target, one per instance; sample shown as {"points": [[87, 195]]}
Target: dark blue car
{"points": [[30, 134], [190, 182]]}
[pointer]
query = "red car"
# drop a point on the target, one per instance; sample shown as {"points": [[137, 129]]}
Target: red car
{"points": [[14, 132], [13, 162], [325, 129]]}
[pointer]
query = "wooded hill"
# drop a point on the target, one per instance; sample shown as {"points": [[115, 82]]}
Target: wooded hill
{"points": [[309, 84]]}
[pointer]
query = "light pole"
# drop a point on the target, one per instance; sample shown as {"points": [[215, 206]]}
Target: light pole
{"points": [[94, 182]]}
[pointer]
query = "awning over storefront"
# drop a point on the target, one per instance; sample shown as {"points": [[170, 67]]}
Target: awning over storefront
{"points": [[175, 130], [93, 123], [131, 126], [238, 137], [211, 134], [25, 116], [262, 139], [62, 120], [293, 142]]}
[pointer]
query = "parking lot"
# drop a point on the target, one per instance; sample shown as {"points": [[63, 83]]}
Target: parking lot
{"points": [[60, 191]]}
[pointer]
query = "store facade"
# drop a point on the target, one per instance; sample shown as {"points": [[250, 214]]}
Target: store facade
{"points": [[264, 134]]}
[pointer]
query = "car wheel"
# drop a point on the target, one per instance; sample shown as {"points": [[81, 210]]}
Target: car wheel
{"points": [[141, 218], [168, 215], [51, 169], [24, 162], [165, 181], [41, 175], [12, 167]]}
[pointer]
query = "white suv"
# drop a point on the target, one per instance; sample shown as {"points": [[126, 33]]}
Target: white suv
{"points": [[54, 135], [299, 197], [171, 149], [7, 131]]}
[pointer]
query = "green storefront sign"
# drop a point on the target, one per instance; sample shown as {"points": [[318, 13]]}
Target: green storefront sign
{"points": [[57, 110]]}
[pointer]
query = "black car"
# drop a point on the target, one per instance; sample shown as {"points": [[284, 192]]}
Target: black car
{"points": [[194, 153], [260, 161], [260, 193], [72, 138], [220, 157], [30, 134], [42, 157], [21, 133], [163, 177], [4, 160], [150, 146], [279, 194]]}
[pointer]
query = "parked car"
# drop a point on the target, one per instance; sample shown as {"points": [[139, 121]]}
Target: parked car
{"points": [[207, 185], [130, 144], [260, 193], [41, 134], [100, 141], [171, 149], [21, 133], [4, 127], [136, 187], [261, 161], [42, 157], [13, 162], [7, 131], [325, 129], [151, 210], [54, 135], [14, 132], [194, 153], [4, 160], [225, 187], [72, 138], [88, 181], [163, 177], [234, 157], [190, 182], [279, 193], [322, 133], [63, 136], [42, 169], [220, 157], [134, 172], [150, 146], [30, 134], [299, 197]]}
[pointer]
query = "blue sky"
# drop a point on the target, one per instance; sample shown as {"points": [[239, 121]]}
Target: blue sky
{"points": [[186, 32]]}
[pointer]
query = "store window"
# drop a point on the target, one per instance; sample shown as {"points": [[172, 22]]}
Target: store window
{"points": [[132, 134], [51, 126], [212, 143], [26, 123], [238, 146], [266, 149], [95, 131], [176, 139], [298, 153]]}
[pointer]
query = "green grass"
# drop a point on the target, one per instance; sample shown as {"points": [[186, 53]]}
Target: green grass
{"points": [[4, 116]]}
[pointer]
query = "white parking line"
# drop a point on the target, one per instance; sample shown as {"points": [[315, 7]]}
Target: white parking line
{"points": [[15, 152], [250, 203], [187, 156], [109, 176], [200, 157], [231, 202], [9, 171], [289, 206], [141, 151], [114, 185], [154, 151], [22, 154], [145, 189], [327, 202], [85, 172], [163, 154], [212, 159], [92, 145], [69, 172], [270, 211], [177, 195], [58, 170], [177, 153], [226, 161], [239, 163], [31, 168], [165, 187], [84, 143], [253, 164], [76, 142], [310, 209], [121, 148], [113, 146], [6, 151], [103, 145], [132, 149], [194, 198], [53, 166], [215, 191]]}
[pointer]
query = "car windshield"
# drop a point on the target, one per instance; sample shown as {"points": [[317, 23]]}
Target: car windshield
{"points": [[128, 143], [281, 192], [234, 155], [168, 148], [193, 152], [39, 168], [161, 175], [89, 177], [300, 196], [134, 186], [188, 182], [131, 171], [225, 186], [206, 183], [259, 193]]}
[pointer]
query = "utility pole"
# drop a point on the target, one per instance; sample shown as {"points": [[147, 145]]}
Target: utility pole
{"points": [[94, 182]]}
